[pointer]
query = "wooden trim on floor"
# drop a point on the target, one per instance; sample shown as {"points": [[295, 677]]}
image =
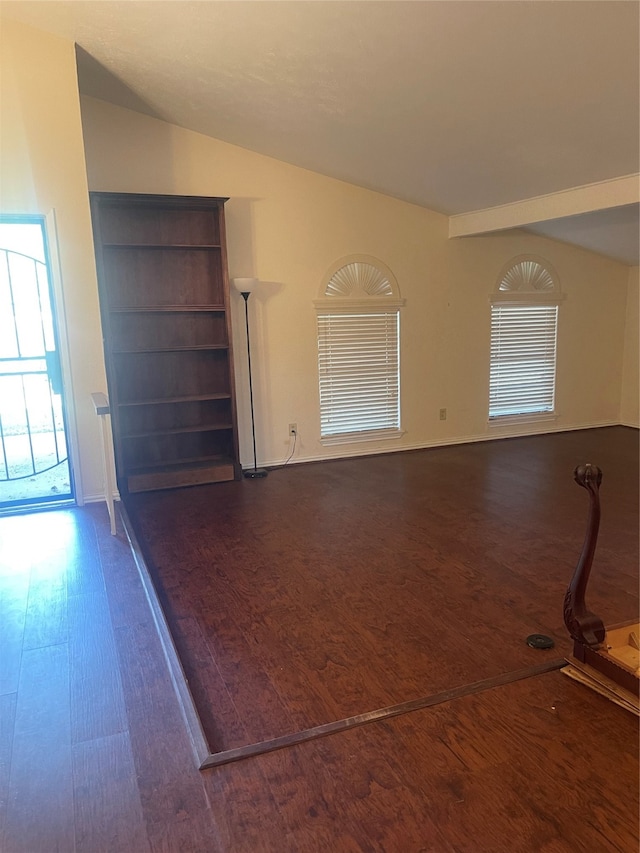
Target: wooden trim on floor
{"points": [[197, 737], [229, 755], [207, 759]]}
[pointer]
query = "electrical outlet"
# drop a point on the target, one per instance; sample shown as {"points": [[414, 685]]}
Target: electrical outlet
{"points": [[293, 429], [443, 414]]}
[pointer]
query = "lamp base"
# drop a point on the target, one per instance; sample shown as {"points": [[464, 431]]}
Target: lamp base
{"points": [[255, 473]]}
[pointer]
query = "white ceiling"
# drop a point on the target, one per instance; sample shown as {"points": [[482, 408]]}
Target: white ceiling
{"points": [[458, 106]]}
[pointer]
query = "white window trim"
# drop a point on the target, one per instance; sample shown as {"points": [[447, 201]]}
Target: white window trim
{"points": [[527, 298], [360, 437], [515, 383], [359, 387], [530, 418], [372, 305], [332, 303]]}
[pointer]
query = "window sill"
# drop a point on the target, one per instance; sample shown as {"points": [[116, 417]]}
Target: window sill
{"points": [[530, 418], [358, 437]]}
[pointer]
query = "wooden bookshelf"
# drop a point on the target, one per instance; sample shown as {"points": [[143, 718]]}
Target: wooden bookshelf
{"points": [[164, 297]]}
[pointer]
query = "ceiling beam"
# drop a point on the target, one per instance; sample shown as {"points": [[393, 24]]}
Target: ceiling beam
{"points": [[586, 199]]}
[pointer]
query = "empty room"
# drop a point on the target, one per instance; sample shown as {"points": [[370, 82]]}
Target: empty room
{"points": [[319, 411]]}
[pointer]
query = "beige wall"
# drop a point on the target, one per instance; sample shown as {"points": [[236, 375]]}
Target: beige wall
{"points": [[629, 406], [42, 170], [287, 226]]}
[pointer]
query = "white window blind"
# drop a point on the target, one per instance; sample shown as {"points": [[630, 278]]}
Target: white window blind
{"points": [[359, 373], [523, 359]]}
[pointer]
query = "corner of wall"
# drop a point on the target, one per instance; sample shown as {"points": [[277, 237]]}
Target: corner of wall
{"points": [[630, 390]]}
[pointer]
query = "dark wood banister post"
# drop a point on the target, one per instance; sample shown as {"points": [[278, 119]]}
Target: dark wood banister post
{"points": [[583, 625]]}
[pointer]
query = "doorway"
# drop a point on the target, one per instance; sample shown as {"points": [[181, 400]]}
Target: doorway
{"points": [[34, 461]]}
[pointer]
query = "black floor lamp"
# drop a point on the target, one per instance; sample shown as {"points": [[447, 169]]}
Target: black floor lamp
{"points": [[246, 286]]}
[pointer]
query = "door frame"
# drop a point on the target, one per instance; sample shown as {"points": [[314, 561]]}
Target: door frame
{"points": [[62, 342], [47, 221]]}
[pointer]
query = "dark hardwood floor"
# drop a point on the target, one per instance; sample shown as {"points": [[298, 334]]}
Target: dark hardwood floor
{"points": [[322, 591], [331, 590]]}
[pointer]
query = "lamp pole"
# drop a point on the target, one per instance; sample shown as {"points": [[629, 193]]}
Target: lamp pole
{"points": [[255, 472]]}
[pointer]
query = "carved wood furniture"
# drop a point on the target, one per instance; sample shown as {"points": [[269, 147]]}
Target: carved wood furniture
{"points": [[606, 660]]}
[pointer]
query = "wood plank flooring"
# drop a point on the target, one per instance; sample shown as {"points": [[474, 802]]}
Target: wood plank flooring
{"points": [[327, 591], [94, 755]]}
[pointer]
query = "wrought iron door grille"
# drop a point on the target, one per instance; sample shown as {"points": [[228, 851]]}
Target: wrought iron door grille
{"points": [[32, 436]]}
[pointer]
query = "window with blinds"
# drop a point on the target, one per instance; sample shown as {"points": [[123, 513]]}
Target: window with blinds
{"points": [[359, 374], [524, 323], [359, 351], [523, 359]]}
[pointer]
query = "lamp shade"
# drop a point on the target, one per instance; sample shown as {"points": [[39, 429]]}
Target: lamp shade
{"points": [[245, 285]]}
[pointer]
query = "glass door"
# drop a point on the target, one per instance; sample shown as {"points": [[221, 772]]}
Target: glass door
{"points": [[34, 464]]}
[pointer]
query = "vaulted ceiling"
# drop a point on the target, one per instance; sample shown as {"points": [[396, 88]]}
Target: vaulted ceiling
{"points": [[500, 114]]}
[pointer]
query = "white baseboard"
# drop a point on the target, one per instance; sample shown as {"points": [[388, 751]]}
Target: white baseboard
{"points": [[96, 499], [383, 447]]}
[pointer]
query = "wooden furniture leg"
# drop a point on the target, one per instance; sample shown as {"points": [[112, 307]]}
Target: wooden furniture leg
{"points": [[583, 625], [101, 405]]}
